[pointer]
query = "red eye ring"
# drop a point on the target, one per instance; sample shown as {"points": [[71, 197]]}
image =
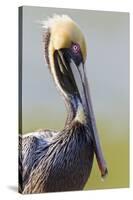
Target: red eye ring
{"points": [[75, 48]]}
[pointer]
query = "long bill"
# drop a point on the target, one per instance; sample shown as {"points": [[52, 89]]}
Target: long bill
{"points": [[77, 78], [83, 88]]}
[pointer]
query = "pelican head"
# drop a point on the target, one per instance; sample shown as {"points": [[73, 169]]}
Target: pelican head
{"points": [[65, 47], [65, 52]]}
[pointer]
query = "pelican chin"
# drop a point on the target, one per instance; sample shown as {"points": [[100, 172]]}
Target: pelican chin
{"points": [[62, 161]]}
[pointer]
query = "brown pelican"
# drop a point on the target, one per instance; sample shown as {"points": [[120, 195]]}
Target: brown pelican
{"points": [[62, 161]]}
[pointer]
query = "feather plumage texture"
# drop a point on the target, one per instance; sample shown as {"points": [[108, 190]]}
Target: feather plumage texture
{"points": [[57, 161]]}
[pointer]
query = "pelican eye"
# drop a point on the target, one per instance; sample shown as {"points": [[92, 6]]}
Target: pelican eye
{"points": [[75, 48]]}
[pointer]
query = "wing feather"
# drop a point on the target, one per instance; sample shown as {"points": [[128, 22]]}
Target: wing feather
{"points": [[31, 147]]}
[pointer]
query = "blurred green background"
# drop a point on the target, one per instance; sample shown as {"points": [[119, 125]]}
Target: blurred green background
{"points": [[107, 38]]}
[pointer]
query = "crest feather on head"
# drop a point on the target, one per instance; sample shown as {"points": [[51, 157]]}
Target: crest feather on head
{"points": [[54, 20], [60, 31]]}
